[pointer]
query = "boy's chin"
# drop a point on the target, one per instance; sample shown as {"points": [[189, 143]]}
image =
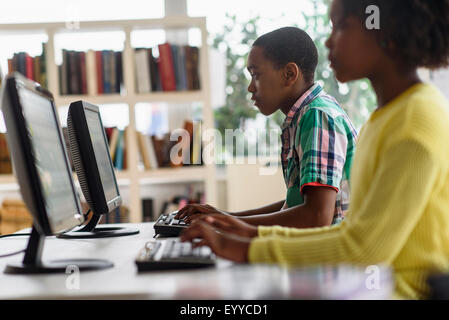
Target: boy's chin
{"points": [[266, 112]]}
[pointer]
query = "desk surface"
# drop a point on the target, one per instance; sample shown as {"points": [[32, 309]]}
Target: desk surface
{"points": [[226, 281]]}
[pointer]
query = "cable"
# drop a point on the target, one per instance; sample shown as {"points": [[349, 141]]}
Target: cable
{"points": [[14, 235], [11, 254]]}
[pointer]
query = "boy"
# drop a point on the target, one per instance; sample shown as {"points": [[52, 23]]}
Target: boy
{"points": [[318, 139]]}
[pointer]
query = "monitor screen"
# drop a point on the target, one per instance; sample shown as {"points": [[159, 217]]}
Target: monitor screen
{"points": [[101, 152], [49, 159]]}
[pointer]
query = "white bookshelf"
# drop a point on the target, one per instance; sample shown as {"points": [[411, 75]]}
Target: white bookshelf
{"points": [[133, 178]]}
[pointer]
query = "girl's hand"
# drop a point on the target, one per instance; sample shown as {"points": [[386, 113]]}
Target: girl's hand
{"points": [[231, 225], [190, 210], [222, 244]]}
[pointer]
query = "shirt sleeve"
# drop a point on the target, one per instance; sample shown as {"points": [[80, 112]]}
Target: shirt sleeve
{"points": [[321, 143], [398, 194]]}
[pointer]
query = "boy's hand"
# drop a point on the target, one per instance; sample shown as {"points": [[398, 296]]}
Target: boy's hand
{"points": [[230, 224], [190, 210], [222, 244]]}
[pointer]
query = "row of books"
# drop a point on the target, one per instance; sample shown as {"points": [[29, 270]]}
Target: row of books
{"points": [[5, 158], [157, 152], [91, 72], [117, 147], [176, 68], [33, 68]]}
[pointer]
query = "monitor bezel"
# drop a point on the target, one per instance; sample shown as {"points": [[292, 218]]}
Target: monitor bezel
{"points": [[26, 172], [99, 204]]}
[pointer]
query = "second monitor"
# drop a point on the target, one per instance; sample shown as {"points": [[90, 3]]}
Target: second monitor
{"points": [[94, 168]]}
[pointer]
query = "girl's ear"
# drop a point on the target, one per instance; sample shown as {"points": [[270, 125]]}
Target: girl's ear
{"points": [[291, 73]]}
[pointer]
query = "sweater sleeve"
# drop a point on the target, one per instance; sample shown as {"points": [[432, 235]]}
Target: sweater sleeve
{"points": [[398, 193], [267, 231]]}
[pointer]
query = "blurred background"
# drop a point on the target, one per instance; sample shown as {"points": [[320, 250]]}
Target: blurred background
{"points": [[236, 180]]}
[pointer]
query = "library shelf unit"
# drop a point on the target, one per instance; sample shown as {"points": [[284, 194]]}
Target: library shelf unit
{"points": [[132, 177]]}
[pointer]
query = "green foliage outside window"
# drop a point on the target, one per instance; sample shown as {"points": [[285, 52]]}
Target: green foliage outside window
{"points": [[357, 97]]}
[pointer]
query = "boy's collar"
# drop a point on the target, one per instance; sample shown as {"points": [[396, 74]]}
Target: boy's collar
{"points": [[305, 99]]}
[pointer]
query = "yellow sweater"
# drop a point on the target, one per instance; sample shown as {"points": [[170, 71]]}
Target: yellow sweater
{"points": [[399, 211]]}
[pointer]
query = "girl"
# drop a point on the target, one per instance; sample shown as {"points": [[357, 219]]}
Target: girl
{"points": [[399, 210]]}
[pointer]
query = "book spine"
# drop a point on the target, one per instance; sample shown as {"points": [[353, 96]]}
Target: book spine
{"points": [[106, 72], [82, 56], [166, 68], [112, 72], [119, 151], [43, 62], [64, 72], [29, 66], [99, 69], [91, 73], [142, 71], [37, 69], [119, 68]]}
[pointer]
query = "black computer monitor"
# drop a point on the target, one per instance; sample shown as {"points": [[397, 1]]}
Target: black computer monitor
{"points": [[93, 165], [41, 166]]}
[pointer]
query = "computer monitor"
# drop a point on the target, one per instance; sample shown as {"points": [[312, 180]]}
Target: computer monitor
{"points": [[43, 173], [93, 165]]}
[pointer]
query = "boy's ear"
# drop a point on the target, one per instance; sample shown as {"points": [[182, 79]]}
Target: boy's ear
{"points": [[291, 73]]}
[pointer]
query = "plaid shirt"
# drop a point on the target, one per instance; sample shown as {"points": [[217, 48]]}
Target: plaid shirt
{"points": [[318, 145]]}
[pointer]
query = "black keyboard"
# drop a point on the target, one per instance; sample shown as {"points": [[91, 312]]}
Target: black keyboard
{"points": [[167, 226], [173, 254]]}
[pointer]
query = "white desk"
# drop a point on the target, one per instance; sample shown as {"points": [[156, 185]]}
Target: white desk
{"points": [[226, 281]]}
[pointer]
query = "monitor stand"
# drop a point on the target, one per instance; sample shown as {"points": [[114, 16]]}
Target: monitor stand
{"points": [[32, 263], [91, 230]]}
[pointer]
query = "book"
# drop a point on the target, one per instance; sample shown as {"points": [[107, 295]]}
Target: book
{"points": [[154, 164], [143, 149], [83, 72], [142, 70], [182, 68], [91, 73], [73, 76], [154, 72], [37, 69], [64, 73], [43, 64], [5, 158], [113, 143], [99, 67], [196, 143], [166, 68], [119, 71], [118, 162], [106, 71], [125, 149], [113, 72]]}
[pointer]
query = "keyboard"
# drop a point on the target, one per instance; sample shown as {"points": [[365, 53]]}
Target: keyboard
{"points": [[167, 226], [172, 254]]}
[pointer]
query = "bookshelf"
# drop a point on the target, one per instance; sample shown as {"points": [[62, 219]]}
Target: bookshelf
{"points": [[132, 177]]}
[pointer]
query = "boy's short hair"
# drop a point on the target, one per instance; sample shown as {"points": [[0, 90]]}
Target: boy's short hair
{"points": [[290, 44], [418, 29]]}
